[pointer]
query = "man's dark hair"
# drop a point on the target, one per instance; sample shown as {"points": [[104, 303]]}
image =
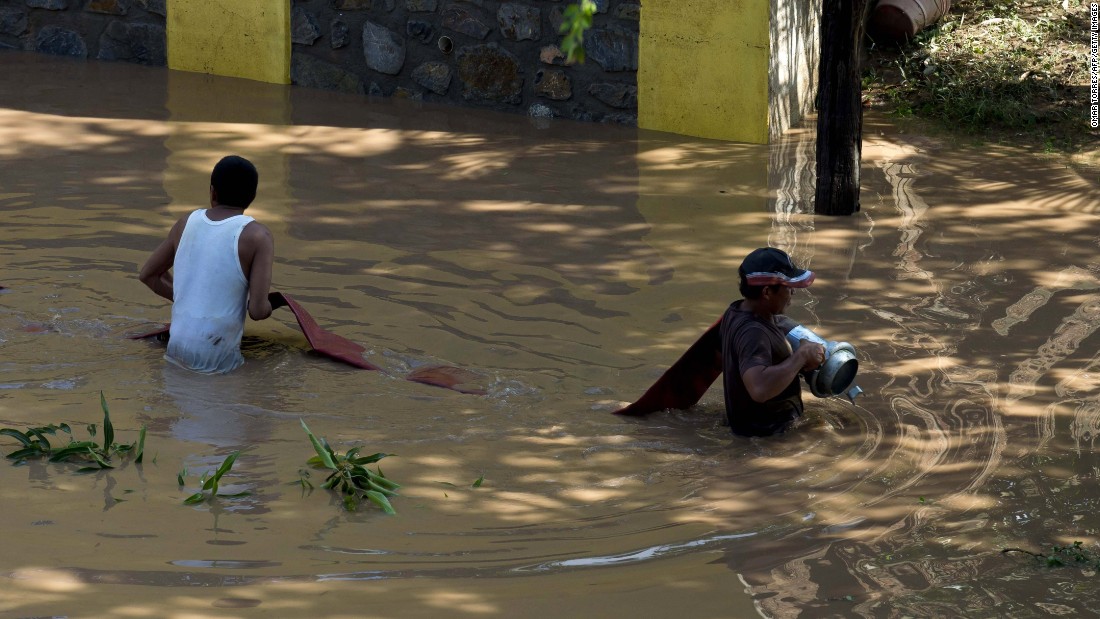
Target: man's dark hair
{"points": [[751, 292], [234, 179]]}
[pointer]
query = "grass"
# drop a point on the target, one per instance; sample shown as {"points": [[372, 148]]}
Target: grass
{"points": [[995, 69]]}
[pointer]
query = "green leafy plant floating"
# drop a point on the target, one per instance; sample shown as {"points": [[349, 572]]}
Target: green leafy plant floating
{"points": [[1061, 556], [97, 456], [209, 482], [350, 475]]}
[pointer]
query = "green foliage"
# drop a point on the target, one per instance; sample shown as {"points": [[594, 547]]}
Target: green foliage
{"points": [[96, 456], [350, 476], [577, 19], [34, 441], [1061, 555], [209, 483]]}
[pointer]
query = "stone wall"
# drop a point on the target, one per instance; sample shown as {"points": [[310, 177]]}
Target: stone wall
{"points": [[489, 53], [130, 30]]}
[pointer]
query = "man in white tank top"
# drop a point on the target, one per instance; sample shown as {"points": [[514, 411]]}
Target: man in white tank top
{"points": [[221, 262]]}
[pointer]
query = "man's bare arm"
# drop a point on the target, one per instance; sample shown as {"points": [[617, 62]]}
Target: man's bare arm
{"points": [[261, 245], [154, 273], [765, 382]]}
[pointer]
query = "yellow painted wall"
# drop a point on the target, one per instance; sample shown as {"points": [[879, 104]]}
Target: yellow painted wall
{"points": [[237, 38], [703, 68]]}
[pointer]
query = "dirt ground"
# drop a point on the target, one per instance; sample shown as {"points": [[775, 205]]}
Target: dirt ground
{"points": [[995, 71]]}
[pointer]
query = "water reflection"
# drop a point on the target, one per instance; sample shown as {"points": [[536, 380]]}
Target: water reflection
{"points": [[567, 266], [208, 411]]}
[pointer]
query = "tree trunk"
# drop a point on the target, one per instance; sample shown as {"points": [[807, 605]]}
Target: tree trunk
{"points": [[840, 108]]}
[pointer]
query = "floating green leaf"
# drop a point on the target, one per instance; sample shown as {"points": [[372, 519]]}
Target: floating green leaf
{"points": [[17, 435], [21, 455], [108, 427], [209, 482], [303, 480], [371, 459], [80, 448], [99, 460], [380, 500], [41, 436], [140, 452], [324, 452]]}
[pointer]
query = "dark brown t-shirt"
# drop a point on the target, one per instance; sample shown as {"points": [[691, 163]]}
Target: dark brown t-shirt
{"points": [[748, 341]]}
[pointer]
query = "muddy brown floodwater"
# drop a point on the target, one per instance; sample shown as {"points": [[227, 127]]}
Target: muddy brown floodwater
{"points": [[567, 265]]}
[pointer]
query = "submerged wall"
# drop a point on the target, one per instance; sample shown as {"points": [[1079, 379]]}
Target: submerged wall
{"points": [[739, 70]]}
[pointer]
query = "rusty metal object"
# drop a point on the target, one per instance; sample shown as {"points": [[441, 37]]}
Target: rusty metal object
{"points": [[901, 20]]}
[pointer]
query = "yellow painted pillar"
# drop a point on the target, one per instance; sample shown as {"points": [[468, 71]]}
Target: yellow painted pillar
{"points": [[236, 38], [703, 68]]}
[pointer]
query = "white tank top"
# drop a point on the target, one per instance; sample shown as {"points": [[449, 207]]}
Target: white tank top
{"points": [[210, 295]]}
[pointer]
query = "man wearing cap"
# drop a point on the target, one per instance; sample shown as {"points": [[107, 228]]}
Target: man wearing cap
{"points": [[760, 372]]}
